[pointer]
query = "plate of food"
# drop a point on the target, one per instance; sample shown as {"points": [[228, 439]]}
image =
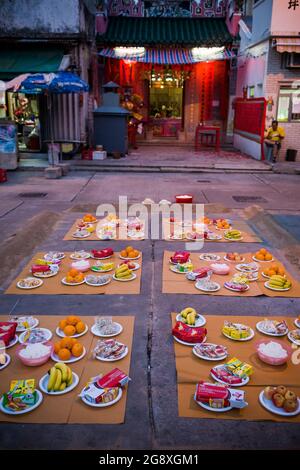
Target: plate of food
{"points": [[81, 234], [181, 268], [54, 255], [280, 401], [45, 274], [294, 336], [80, 255], [110, 350], [223, 375], [108, 397], [124, 274], [210, 351], [263, 255], [4, 360], [15, 404], [101, 267], [272, 327], [190, 317], [245, 277], [194, 236], [234, 258], [59, 380], [175, 236], [25, 323], [130, 254], [69, 354], [209, 257], [187, 335], [72, 281], [206, 285], [89, 218], [278, 285], [237, 331], [12, 342], [104, 327], [132, 265], [219, 397], [186, 343], [207, 407], [97, 281], [247, 267], [35, 335], [236, 286], [233, 235], [29, 283], [297, 322], [71, 326], [211, 236]]}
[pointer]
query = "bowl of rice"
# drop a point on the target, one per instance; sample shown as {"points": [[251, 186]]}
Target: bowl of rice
{"points": [[34, 354], [272, 352]]}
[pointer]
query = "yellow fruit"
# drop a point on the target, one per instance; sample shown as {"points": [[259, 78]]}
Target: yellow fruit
{"points": [[77, 350], [64, 354], [80, 327], [70, 330]]}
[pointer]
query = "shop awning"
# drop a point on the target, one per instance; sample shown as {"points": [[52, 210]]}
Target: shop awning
{"points": [[163, 56], [124, 31], [287, 44], [29, 60]]}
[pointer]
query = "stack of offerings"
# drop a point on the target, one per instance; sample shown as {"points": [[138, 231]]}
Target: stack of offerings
{"points": [[7, 332], [218, 396], [99, 153], [102, 390]]}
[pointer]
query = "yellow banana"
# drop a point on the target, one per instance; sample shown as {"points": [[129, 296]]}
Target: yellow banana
{"points": [[64, 370], [52, 378], [58, 381]]}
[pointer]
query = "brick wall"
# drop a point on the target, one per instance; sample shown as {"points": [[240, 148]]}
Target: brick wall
{"points": [[276, 77]]}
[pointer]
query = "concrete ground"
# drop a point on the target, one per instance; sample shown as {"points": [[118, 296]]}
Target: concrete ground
{"points": [[28, 224]]}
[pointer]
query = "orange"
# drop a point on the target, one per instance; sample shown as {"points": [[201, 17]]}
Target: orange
{"points": [[128, 249], [260, 257], [131, 254], [281, 271], [136, 253], [78, 278], [271, 272], [69, 279], [74, 341], [64, 354], [80, 327], [70, 330], [73, 272], [77, 350], [66, 343], [263, 251], [268, 257], [62, 324], [72, 320], [123, 253], [57, 347]]}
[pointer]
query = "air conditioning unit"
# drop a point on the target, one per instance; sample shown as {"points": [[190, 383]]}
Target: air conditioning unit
{"points": [[292, 60]]}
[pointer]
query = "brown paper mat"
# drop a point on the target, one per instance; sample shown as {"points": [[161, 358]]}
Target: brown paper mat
{"points": [[174, 283], [69, 408], [188, 408], [248, 234], [93, 237], [54, 286], [192, 369]]}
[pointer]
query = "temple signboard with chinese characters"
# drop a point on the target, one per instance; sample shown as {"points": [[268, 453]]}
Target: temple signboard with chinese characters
{"points": [[168, 8], [285, 17]]}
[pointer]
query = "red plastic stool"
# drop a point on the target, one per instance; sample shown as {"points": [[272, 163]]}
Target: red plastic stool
{"points": [[3, 175]]}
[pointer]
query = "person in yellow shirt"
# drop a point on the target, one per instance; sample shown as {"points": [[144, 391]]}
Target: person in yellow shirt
{"points": [[273, 138]]}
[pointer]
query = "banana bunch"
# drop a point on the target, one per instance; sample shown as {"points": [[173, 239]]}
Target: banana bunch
{"points": [[60, 377], [123, 272], [279, 282], [189, 315], [233, 234]]}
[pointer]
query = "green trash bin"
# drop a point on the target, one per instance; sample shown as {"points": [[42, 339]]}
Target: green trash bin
{"points": [[291, 155]]}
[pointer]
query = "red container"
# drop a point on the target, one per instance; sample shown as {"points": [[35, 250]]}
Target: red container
{"points": [[184, 198], [87, 154], [3, 175]]}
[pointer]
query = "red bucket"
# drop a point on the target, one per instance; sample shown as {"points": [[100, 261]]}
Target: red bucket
{"points": [[184, 198]]}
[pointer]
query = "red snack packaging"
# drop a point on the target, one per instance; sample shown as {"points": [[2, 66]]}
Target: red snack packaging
{"points": [[219, 396], [188, 334], [224, 375], [180, 257], [36, 268], [115, 378], [103, 253], [7, 331], [201, 272]]}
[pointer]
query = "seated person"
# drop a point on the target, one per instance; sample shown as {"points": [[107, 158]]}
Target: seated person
{"points": [[273, 138]]}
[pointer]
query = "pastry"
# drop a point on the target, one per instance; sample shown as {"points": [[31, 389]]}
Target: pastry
{"points": [[278, 400], [269, 392], [290, 405], [290, 395], [281, 389]]}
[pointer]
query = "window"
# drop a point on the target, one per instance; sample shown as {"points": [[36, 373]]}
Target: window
{"points": [[289, 105], [251, 91]]}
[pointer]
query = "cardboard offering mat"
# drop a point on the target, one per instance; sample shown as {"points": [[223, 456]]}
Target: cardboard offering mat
{"points": [[175, 283], [93, 236], [53, 285], [248, 234], [191, 369], [69, 408]]}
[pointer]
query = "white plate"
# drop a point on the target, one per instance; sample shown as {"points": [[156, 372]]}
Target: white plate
{"points": [[241, 384], [202, 257], [86, 256], [114, 359], [100, 259], [261, 330], [48, 335], [297, 323], [44, 275], [125, 280], [269, 405], [172, 262], [55, 357], [239, 267], [250, 280], [7, 357], [266, 284], [96, 333], [81, 236], [100, 270], [187, 344], [173, 237], [60, 333], [295, 341], [125, 257], [233, 239], [11, 343], [233, 261], [137, 266], [34, 287], [59, 257], [174, 269], [207, 290], [103, 405], [214, 359], [262, 261], [72, 283], [235, 290], [98, 285], [27, 410], [215, 237], [200, 320], [44, 382], [20, 329], [240, 339], [209, 408], [188, 237]]}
